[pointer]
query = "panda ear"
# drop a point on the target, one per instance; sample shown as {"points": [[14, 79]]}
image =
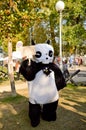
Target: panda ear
{"points": [[48, 41], [32, 42]]}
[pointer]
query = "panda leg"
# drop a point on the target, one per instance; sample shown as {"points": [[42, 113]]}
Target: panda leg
{"points": [[49, 111], [34, 114]]}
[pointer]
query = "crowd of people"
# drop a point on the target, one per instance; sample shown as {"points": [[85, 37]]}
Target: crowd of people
{"points": [[68, 62]]}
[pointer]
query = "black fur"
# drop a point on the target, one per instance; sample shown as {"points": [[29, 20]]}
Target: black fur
{"points": [[48, 41], [32, 42], [48, 112], [34, 114], [29, 72]]}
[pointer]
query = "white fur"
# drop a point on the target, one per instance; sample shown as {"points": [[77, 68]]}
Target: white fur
{"points": [[43, 89], [44, 48]]}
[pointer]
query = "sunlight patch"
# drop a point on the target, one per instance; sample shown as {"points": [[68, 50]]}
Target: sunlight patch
{"points": [[8, 108], [0, 114], [1, 125]]}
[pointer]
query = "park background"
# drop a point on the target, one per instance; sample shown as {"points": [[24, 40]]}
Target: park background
{"points": [[22, 20]]}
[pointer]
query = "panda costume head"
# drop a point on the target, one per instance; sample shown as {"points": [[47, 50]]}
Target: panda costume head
{"points": [[44, 53], [45, 79]]}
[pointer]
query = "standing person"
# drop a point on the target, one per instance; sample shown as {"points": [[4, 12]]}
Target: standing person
{"points": [[56, 61], [65, 69], [17, 66], [45, 79], [79, 61], [71, 60]]}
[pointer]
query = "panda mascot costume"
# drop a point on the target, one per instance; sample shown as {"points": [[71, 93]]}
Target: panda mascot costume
{"points": [[45, 79]]}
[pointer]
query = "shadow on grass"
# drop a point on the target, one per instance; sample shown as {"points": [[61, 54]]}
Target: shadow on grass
{"points": [[70, 113]]}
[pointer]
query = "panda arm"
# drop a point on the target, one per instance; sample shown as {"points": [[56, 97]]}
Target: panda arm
{"points": [[28, 71], [59, 79]]}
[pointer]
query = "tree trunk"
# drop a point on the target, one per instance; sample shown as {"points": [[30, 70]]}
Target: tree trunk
{"points": [[10, 69]]}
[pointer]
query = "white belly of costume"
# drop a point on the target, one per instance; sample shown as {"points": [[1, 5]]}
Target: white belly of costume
{"points": [[43, 89]]}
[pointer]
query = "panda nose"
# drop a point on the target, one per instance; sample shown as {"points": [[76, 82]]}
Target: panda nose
{"points": [[46, 58]]}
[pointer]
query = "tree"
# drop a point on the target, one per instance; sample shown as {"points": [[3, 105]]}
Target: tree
{"points": [[10, 69], [17, 16], [73, 30]]}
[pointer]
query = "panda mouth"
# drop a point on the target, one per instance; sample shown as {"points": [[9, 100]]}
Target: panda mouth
{"points": [[46, 62]]}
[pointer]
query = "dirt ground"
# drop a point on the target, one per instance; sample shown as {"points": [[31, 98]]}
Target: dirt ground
{"points": [[71, 112]]}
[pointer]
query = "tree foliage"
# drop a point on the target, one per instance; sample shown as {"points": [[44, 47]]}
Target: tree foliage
{"points": [[73, 30], [18, 16]]}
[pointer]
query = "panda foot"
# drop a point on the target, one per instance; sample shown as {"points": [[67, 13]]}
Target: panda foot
{"points": [[49, 119], [34, 124]]}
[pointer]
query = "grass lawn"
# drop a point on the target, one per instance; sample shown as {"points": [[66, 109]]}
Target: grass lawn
{"points": [[71, 112]]}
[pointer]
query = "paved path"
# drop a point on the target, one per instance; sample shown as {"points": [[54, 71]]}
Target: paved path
{"points": [[18, 86], [82, 68], [81, 76]]}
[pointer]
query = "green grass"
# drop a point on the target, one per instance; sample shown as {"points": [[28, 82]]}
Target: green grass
{"points": [[5, 78], [14, 99], [71, 112]]}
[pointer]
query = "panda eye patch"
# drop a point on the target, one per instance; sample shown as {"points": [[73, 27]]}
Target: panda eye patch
{"points": [[50, 53], [38, 54]]}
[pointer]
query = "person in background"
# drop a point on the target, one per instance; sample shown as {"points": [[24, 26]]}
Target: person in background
{"points": [[17, 66], [65, 69], [71, 60], [79, 61]]}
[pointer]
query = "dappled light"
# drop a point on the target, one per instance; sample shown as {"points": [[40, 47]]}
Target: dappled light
{"points": [[71, 113], [8, 108]]}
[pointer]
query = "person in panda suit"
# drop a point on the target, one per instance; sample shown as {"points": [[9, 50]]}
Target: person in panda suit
{"points": [[45, 79]]}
